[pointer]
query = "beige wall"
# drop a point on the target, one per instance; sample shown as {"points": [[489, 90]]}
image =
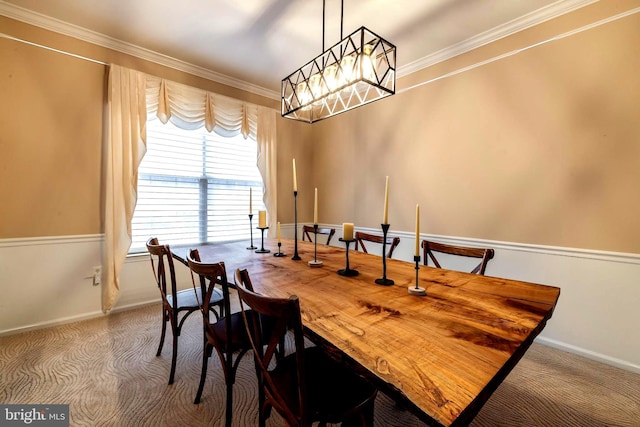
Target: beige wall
{"points": [[542, 147]]}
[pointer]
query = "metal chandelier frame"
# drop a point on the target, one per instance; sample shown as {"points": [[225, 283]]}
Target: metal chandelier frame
{"points": [[358, 70]]}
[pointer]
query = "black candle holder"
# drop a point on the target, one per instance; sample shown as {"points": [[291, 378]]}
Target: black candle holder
{"points": [[262, 250], [347, 271], [315, 262], [279, 254], [295, 256], [383, 280], [417, 290], [251, 231]]}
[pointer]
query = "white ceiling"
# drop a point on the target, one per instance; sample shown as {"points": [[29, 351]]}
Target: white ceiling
{"points": [[259, 42]]}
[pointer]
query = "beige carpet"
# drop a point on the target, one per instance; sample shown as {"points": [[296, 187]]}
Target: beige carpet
{"points": [[106, 369]]}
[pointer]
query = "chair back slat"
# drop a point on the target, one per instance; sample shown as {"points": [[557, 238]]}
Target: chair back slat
{"points": [[283, 314], [161, 263], [484, 254], [361, 237], [308, 231], [214, 274]]}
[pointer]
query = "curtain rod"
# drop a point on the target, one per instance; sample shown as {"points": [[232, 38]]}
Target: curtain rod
{"points": [[6, 36], [516, 51]]}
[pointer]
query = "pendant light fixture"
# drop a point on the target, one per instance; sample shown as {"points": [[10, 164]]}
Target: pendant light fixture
{"points": [[360, 69]]}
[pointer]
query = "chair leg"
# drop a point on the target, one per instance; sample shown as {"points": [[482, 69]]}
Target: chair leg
{"points": [[164, 331], [203, 374], [174, 352], [229, 409]]}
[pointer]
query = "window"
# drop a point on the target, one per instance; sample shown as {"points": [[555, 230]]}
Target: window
{"points": [[193, 187]]}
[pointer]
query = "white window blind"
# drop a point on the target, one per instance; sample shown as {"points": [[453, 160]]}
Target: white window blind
{"points": [[193, 187]]}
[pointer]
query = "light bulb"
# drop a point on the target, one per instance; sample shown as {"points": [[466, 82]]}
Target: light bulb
{"points": [[346, 75], [368, 69]]}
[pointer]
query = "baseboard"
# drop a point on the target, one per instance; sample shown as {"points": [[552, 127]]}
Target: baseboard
{"points": [[598, 357], [73, 319]]}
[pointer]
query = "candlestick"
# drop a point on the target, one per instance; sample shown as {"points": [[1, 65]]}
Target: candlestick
{"points": [[385, 215], [383, 280], [251, 232], [315, 262], [417, 253], [295, 256], [315, 208], [347, 231], [262, 250], [295, 178], [262, 219], [348, 271], [417, 290]]}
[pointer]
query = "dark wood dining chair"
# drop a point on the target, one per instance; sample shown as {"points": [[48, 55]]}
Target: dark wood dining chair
{"points": [[307, 231], [305, 386], [176, 305], [361, 237], [484, 254], [227, 336]]}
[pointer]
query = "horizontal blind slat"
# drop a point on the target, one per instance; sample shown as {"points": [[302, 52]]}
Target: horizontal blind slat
{"points": [[194, 186]]}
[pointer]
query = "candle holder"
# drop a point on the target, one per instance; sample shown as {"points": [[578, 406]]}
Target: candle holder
{"points": [[347, 271], [295, 256], [315, 262], [279, 254], [417, 290], [383, 280], [262, 250], [251, 231]]}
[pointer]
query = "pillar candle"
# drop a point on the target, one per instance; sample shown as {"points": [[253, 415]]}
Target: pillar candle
{"points": [[315, 207], [262, 219], [347, 231], [417, 230], [278, 236], [250, 197], [295, 178], [385, 216]]}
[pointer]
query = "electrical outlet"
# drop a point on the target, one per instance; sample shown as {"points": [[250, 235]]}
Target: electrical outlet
{"points": [[97, 275]]}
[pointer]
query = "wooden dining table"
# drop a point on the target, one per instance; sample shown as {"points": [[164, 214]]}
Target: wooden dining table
{"points": [[440, 355]]}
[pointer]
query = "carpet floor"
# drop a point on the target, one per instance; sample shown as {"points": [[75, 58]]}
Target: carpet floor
{"points": [[107, 371]]}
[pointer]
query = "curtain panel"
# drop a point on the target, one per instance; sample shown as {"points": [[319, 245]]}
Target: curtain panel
{"points": [[133, 98], [125, 141]]}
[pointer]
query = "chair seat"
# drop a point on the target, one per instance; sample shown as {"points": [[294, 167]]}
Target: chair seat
{"points": [[322, 376], [239, 338], [187, 298]]}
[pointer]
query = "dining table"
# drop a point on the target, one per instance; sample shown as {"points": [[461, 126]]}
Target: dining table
{"points": [[440, 355]]}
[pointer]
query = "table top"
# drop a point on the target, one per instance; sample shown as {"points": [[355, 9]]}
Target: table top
{"points": [[440, 355]]}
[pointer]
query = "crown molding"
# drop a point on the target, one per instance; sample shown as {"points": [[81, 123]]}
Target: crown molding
{"points": [[39, 20], [529, 20], [554, 10]]}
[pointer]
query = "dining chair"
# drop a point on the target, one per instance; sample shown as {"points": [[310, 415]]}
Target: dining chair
{"points": [[176, 305], [484, 254], [307, 231], [227, 336], [361, 237], [307, 385]]}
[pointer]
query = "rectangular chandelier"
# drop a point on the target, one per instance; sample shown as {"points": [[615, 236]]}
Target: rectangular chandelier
{"points": [[360, 69]]}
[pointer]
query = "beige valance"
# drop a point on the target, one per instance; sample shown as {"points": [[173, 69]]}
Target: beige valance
{"points": [[191, 108]]}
